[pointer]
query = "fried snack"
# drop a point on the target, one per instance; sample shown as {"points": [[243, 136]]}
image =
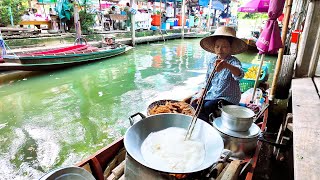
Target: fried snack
{"points": [[172, 107]]}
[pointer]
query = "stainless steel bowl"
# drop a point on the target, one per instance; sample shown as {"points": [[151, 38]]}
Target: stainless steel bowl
{"points": [[237, 118]]}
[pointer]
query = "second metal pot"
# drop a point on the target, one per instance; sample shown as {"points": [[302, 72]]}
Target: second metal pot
{"points": [[243, 142]]}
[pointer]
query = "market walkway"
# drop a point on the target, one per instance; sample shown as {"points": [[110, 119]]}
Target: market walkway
{"points": [[306, 123]]}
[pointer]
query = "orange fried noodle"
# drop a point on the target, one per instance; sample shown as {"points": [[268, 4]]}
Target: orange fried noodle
{"points": [[172, 107]]}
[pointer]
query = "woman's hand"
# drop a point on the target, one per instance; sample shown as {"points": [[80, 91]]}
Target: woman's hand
{"points": [[220, 64], [197, 100]]}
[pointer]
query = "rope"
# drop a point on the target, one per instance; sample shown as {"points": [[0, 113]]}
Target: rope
{"points": [[5, 45]]}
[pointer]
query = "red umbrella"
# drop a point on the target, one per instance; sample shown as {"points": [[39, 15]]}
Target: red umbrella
{"points": [[270, 39]]}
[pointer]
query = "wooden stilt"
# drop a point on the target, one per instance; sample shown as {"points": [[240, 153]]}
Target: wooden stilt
{"points": [[281, 50]]}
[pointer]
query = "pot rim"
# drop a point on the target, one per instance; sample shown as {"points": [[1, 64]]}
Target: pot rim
{"points": [[207, 163], [252, 132], [225, 113]]}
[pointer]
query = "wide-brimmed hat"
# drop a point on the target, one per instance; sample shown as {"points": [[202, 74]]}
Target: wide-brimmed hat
{"points": [[237, 46]]}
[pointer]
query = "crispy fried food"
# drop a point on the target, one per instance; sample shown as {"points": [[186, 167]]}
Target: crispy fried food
{"points": [[172, 107]]}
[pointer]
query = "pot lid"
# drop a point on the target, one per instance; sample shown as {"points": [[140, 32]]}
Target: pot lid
{"points": [[253, 131]]}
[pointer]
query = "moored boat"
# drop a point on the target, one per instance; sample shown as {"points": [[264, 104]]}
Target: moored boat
{"points": [[251, 42], [61, 58], [196, 34]]}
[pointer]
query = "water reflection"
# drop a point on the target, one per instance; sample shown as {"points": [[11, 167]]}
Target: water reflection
{"points": [[59, 118]]}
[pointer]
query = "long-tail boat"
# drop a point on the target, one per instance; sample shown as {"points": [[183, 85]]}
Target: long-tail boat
{"points": [[61, 57]]}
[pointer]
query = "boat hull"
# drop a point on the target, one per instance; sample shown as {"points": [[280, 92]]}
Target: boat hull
{"points": [[53, 62], [196, 35]]}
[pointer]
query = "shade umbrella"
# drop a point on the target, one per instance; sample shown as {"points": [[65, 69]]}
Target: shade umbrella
{"points": [[254, 6], [217, 5], [270, 39]]}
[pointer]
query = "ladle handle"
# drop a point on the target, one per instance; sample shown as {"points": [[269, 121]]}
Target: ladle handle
{"points": [[198, 109], [132, 116]]}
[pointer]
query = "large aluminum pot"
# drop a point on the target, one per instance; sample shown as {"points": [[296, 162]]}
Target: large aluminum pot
{"points": [[68, 173], [139, 131], [237, 118], [236, 141]]}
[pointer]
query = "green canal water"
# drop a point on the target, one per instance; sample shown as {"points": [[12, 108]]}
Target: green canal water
{"points": [[58, 118]]}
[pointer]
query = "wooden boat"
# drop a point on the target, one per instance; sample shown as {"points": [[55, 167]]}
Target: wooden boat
{"points": [[64, 50], [251, 43], [196, 35], [109, 162], [61, 58]]}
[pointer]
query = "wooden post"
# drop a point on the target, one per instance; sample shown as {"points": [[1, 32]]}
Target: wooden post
{"points": [[315, 56], [208, 15], [11, 16], [175, 9], [281, 50], [160, 15], [29, 3], [214, 18], [257, 77], [308, 51], [182, 16], [133, 31]]}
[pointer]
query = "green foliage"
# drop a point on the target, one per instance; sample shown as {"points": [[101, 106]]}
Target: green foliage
{"points": [[17, 9], [86, 21], [243, 15]]}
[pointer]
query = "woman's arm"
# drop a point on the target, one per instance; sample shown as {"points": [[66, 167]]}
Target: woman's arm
{"points": [[221, 64]]}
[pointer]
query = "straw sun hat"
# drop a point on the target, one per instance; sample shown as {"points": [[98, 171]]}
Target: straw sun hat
{"points": [[237, 46]]}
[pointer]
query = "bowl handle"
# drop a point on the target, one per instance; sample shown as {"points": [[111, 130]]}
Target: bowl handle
{"points": [[220, 105], [132, 116]]}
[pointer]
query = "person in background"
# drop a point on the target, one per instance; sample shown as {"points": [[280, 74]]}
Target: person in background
{"points": [[25, 16], [52, 12], [224, 86], [127, 10], [113, 11], [169, 11]]}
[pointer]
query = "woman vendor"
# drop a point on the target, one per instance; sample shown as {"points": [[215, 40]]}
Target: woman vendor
{"points": [[224, 86]]}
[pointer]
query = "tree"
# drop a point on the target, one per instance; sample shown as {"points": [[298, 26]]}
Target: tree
{"points": [[17, 9], [86, 18]]}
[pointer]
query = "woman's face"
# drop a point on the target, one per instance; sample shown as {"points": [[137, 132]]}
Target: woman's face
{"points": [[222, 48]]}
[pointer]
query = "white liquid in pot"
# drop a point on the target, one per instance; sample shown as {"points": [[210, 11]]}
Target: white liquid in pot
{"points": [[167, 150]]}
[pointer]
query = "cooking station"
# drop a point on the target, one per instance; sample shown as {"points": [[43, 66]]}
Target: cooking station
{"points": [[113, 162]]}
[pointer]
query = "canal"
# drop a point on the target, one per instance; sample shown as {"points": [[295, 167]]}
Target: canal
{"points": [[58, 118]]}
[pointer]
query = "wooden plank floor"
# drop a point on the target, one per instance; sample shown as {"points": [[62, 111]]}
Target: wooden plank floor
{"points": [[306, 129]]}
